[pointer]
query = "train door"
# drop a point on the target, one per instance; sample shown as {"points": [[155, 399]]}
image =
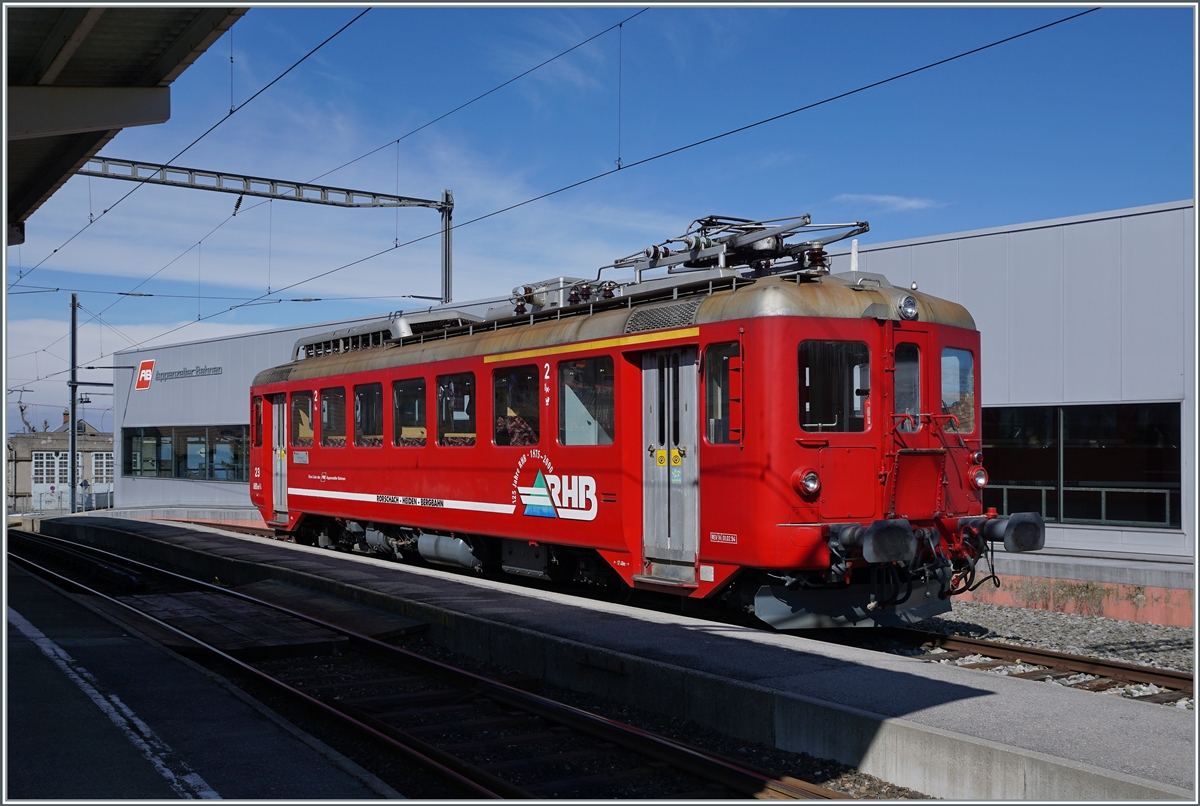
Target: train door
{"points": [[279, 434], [671, 477], [916, 489]]}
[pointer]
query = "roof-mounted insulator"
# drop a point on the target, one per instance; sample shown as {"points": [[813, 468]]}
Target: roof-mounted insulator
{"points": [[816, 258]]}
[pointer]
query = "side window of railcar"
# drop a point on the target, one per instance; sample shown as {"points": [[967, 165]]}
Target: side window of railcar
{"points": [[958, 388], [456, 409], [408, 413], [723, 393], [585, 401], [516, 406], [908, 386], [835, 382], [257, 421], [302, 422], [333, 417], [368, 415]]}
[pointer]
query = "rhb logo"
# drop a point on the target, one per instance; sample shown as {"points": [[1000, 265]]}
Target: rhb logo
{"points": [[145, 374], [571, 497], [552, 495]]}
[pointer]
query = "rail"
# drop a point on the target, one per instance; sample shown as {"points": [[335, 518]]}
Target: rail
{"points": [[715, 773]]}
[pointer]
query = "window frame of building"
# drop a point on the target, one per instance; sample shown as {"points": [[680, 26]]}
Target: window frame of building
{"points": [[1056, 446], [102, 467], [189, 453]]}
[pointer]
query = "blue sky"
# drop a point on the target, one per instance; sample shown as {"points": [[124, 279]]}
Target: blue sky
{"points": [[1095, 114]]}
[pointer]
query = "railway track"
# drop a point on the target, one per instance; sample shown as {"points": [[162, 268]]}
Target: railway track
{"points": [[1073, 671], [485, 738]]}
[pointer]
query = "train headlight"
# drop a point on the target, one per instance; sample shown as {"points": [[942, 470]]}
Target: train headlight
{"points": [[811, 482], [907, 307], [977, 458], [979, 478]]}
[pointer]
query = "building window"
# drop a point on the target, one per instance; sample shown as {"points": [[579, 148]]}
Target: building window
{"points": [[516, 405], [1110, 464], [835, 381], [333, 417], [227, 449], [368, 415], [211, 453], [45, 467], [585, 401], [408, 413], [723, 392], [456, 409], [102, 467]]}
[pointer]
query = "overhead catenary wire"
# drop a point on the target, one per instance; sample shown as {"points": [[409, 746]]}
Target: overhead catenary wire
{"points": [[479, 97], [644, 161], [270, 224], [210, 130]]}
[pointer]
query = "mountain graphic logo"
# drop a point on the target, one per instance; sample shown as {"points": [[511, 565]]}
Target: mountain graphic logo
{"points": [[537, 499]]}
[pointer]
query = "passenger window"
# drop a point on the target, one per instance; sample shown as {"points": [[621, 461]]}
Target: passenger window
{"points": [[456, 409], [257, 421], [585, 401], [958, 388], [908, 386], [516, 398], [333, 417], [368, 415], [723, 393], [408, 413], [302, 423], [835, 383]]}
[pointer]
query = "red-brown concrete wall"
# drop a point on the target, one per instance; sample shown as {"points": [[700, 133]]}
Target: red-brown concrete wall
{"points": [[1170, 606]]}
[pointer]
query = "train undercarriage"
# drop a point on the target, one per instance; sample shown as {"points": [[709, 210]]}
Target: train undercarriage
{"points": [[888, 573]]}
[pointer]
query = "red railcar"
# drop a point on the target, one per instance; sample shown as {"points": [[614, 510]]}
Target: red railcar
{"points": [[747, 426]]}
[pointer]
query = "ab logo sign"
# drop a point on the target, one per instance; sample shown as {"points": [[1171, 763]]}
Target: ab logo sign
{"points": [[145, 374]]}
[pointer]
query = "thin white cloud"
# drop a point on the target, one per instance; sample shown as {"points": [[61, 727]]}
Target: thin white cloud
{"points": [[891, 204]]}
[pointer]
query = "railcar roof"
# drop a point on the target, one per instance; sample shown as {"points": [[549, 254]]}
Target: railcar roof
{"points": [[853, 295]]}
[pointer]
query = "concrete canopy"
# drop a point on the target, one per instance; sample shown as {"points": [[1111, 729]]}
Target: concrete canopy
{"points": [[78, 75]]}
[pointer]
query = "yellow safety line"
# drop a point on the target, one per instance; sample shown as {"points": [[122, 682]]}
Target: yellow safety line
{"points": [[599, 344]]}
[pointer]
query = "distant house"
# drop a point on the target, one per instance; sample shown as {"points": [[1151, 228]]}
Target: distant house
{"points": [[39, 473]]}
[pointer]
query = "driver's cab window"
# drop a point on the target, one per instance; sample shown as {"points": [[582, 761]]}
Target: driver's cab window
{"points": [[835, 386], [958, 389]]}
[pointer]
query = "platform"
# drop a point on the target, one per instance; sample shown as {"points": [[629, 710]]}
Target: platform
{"points": [[112, 716], [939, 729]]}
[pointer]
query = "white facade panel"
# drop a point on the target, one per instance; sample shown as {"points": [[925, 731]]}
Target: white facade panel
{"points": [[1153, 330], [983, 272], [1035, 311], [1092, 284], [935, 269], [894, 264]]}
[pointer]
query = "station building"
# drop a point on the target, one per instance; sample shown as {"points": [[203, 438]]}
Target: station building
{"points": [[1088, 331]]}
